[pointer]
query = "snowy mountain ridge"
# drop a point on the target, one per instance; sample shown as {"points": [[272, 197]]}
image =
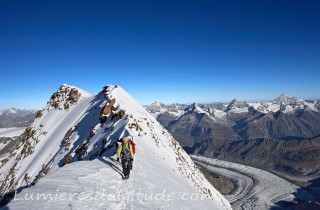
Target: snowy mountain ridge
{"points": [[158, 107], [16, 110], [283, 103], [76, 125]]}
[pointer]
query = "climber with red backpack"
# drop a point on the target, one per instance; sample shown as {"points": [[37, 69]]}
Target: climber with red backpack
{"points": [[126, 153]]}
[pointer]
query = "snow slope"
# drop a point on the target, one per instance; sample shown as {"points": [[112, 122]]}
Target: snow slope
{"points": [[256, 188], [76, 126], [99, 186]]}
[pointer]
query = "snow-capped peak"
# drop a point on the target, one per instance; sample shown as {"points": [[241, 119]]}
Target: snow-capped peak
{"points": [[87, 128], [286, 100], [66, 96], [157, 104], [288, 104], [193, 107], [158, 107], [237, 106], [13, 110], [16, 112], [10, 111], [83, 93]]}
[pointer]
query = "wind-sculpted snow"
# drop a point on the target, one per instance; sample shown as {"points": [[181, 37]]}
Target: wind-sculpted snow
{"points": [[78, 126], [97, 185]]}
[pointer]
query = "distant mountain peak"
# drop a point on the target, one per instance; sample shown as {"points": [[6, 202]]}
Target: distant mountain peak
{"points": [[12, 110], [193, 107], [235, 104], [283, 95], [286, 100], [157, 103], [234, 101], [158, 107]]}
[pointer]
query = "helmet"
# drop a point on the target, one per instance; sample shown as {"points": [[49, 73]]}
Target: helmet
{"points": [[125, 140]]}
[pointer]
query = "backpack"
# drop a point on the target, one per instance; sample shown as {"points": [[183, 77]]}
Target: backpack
{"points": [[133, 145]]}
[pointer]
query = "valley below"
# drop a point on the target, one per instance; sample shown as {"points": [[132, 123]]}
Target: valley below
{"points": [[247, 187]]}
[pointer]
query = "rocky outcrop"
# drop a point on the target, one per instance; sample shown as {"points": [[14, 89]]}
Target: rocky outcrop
{"points": [[65, 97]]}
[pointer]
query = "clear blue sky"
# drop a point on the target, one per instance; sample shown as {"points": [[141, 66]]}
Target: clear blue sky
{"points": [[168, 50]]}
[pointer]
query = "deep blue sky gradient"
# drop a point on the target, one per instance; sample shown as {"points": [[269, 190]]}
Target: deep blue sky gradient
{"points": [[173, 51]]}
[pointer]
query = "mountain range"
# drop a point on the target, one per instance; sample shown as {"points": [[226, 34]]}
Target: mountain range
{"points": [[69, 148], [258, 134], [14, 117]]}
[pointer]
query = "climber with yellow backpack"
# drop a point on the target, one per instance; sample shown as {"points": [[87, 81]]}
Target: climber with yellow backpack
{"points": [[126, 153]]}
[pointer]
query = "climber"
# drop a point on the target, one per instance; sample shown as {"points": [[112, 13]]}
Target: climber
{"points": [[125, 152]]}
